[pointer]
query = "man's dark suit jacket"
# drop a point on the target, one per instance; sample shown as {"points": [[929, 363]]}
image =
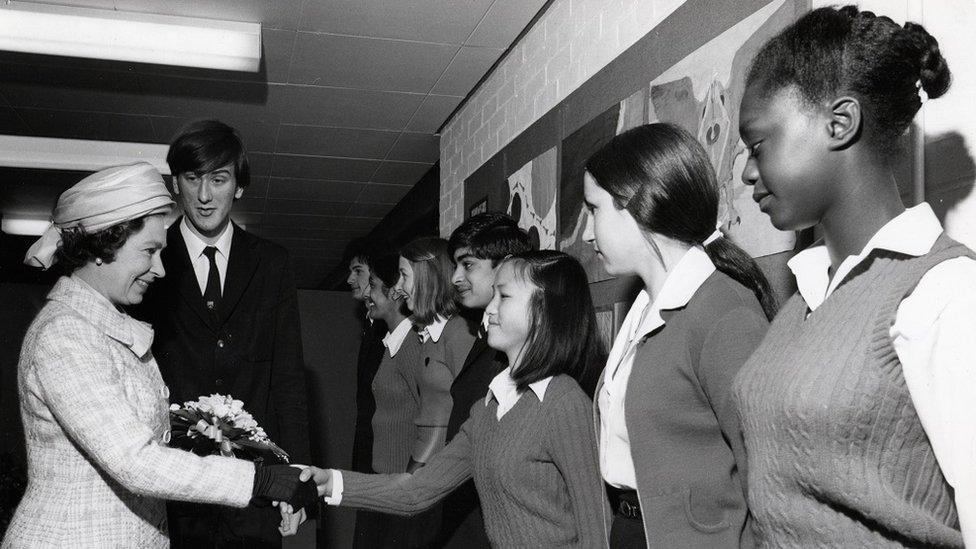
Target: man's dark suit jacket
{"points": [[250, 349], [462, 525]]}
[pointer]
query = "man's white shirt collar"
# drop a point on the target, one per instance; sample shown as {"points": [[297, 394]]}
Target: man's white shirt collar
{"points": [[913, 232], [502, 387], [195, 246], [484, 321], [434, 329], [393, 340]]}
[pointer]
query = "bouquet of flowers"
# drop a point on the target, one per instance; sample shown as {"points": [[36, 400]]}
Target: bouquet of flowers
{"points": [[219, 424]]}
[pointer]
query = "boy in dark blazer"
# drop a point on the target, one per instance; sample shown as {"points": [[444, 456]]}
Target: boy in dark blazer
{"points": [[477, 246], [226, 321]]}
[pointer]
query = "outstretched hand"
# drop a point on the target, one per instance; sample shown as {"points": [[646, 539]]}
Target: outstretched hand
{"points": [[321, 477]]}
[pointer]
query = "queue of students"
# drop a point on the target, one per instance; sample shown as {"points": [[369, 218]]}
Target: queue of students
{"points": [[846, 418]]}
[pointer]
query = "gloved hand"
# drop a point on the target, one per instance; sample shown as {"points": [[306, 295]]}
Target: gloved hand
{"points": [[282, 483]]}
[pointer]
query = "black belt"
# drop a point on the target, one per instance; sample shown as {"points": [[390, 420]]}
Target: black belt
{"points": [[624, 502]]}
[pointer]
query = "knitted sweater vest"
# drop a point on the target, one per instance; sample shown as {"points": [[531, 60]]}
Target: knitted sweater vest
{"points": [[836, 453]]}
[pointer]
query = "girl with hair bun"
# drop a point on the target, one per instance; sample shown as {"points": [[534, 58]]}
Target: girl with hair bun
{"points": [[857, 409], [671, 452]]}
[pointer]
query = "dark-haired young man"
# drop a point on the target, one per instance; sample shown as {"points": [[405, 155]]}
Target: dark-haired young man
{"points": [[477, 246], [226, 321]]}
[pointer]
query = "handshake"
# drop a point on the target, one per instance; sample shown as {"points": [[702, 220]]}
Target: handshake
{"points": [[292, 488], [281, 483]]}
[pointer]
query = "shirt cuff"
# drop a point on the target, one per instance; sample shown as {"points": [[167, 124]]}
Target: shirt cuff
{"points": [[337, 486]]}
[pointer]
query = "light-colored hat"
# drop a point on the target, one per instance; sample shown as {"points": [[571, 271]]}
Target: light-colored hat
{"points": [[102, 200]]}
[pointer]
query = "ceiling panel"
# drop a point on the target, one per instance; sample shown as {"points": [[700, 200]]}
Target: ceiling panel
{"points": [[314, 189], [57, 88], [363, 209], [258, 187], [88, 125], [258, 135], [324, 141], [504, 21], [396, 65], [383, 194], [433, 112], [272, 231], [321, 221], [443, 21], [348, 108], [203, 98], [250, 204], [416, 147], [400, 173], [307, 207], [324, 167], [318, 246], [11, 124], [466, 70], [260, 163], [277, 47]]}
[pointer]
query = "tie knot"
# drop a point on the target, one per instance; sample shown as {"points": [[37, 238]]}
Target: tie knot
{"points": [[210, 252]]}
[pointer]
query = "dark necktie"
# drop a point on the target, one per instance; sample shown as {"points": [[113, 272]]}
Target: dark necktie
{"points": [[211, 295]]}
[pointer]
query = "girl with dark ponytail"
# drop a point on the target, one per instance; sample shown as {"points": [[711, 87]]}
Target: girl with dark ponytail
{"points": [[671, 450], [858, 408]]}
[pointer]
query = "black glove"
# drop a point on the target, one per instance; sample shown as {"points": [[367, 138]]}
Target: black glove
{"points": [[280, 483]]}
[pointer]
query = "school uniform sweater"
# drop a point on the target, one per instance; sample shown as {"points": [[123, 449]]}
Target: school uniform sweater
{"points": [[837, 455], [536, 471], [395, 391]]}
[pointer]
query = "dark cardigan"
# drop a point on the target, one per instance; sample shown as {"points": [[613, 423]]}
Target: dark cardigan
{"points": [[685, 439]]}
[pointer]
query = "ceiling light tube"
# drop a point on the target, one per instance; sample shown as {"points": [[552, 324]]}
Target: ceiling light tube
{"points": [[48, 153], [128, 36]]}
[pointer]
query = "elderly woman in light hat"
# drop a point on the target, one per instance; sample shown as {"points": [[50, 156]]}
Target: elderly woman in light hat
{"points": [[93, 404]]}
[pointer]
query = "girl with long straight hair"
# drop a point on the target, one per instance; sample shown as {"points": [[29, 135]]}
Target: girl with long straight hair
{"points": [[858, 409], [425, 283], [529, 444], [670, 446]]}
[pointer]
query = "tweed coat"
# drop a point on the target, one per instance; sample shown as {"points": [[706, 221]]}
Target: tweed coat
{"points": [[95, 418]]}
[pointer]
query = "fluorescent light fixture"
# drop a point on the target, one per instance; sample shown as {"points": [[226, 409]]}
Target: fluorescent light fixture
{"points": [[129, 36], [24, 227], [48, 153]]}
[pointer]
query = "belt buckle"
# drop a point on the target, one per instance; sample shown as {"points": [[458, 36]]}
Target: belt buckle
{"points": [[629, 510]]}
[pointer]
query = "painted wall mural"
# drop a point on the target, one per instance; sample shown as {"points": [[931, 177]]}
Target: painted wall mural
{"points": [[700, 92]]}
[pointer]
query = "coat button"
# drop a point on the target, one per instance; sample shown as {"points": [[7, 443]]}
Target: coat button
{"points": [[219, 381], [220, 343], [167, 436]]}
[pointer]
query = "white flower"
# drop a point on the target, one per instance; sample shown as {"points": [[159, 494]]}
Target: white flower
{"points": [[236, 406], [220, 409], [174, 407]]}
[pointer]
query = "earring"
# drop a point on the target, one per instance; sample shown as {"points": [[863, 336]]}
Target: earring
{"points": [[98, 261]]}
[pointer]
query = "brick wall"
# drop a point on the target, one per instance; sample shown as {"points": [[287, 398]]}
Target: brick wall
{"points": [[570, 42]]}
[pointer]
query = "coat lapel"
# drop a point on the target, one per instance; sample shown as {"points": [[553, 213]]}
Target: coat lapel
{"points": [[241, 265], [183, 276]]}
